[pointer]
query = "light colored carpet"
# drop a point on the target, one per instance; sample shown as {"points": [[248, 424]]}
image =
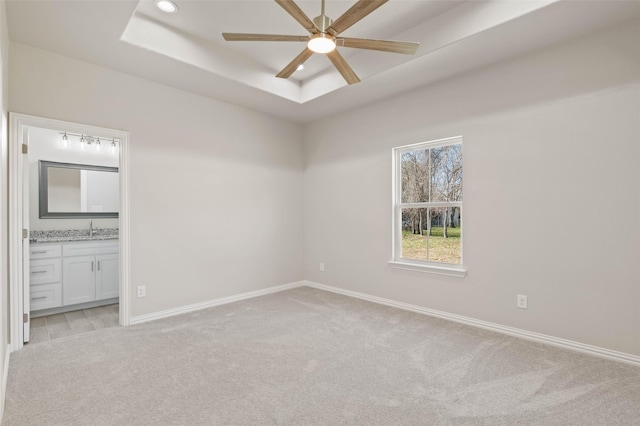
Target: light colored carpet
{"points": [[308, 357]]}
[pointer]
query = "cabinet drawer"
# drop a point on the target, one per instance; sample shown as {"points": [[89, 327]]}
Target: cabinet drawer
{"points": [[45, 271], [45, 296], [43, 251], [83, 249]]}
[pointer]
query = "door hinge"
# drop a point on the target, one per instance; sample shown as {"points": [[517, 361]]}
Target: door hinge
{"points": [[25, 233], [25, 148], [25, 318]]}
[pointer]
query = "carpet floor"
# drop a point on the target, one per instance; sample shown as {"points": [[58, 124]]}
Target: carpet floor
{"points": [[309, 357]]}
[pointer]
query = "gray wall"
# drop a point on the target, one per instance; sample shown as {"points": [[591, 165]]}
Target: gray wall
{"points": [[551, 196], [215, 189]]}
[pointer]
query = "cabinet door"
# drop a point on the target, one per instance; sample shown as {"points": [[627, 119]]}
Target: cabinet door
{"points": [[79, 282], [107, 276]]}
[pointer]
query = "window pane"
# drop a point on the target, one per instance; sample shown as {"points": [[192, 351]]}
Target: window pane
{"points": [[414, 234], [415, 171], [445, 243], [446, 173]]}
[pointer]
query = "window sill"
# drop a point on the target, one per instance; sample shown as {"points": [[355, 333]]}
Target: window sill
{"points": [[450, 270]]}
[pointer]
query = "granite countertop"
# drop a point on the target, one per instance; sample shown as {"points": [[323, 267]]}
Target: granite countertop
{"points": [[67, 235]]}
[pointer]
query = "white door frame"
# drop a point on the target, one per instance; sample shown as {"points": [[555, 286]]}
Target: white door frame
{"points": [[17, 123]]}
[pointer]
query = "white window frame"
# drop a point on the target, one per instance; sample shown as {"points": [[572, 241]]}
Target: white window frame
{"points": [[396, 252]]}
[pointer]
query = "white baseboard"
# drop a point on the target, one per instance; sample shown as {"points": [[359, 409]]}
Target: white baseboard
{"points": [[210, 303], [5, 377], [524, 334], [512, 331]]}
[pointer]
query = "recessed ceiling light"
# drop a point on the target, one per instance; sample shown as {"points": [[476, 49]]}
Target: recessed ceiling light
{"points": [[300, 67], [167, 6]]}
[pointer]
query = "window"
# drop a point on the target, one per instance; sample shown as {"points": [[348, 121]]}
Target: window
{"points": [[427, 207]]}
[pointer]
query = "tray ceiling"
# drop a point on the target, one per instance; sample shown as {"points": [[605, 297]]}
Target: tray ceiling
{"points": [[186, 50]]}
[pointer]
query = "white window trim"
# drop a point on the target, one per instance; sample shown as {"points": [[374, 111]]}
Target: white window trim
{"points": [[398, 262], [440, 268]]}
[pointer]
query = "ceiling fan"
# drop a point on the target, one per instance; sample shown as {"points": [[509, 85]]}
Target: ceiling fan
{"points": [[324, 38]]}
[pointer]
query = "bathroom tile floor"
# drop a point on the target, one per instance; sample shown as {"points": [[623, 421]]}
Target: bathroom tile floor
{"points": [[75, 322]]}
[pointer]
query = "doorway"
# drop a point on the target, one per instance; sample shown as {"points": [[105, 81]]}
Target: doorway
{"points": [[68, 247]]}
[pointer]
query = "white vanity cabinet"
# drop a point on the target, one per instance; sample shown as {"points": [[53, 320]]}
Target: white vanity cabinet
{"points": [[73, 272], [90, 271]]}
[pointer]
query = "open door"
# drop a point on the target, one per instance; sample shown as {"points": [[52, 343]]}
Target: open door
{"points": [[26, 270], [23, 130]]}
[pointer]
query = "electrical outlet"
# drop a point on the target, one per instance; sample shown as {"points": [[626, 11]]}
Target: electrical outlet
{"points": [[521, 301], [142, 291], [322, 267]]}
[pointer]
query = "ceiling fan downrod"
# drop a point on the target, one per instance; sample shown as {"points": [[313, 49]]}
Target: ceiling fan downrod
{"points": [[322, 22]]}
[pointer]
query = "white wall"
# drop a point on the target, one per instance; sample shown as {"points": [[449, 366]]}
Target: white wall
{"points": [[4, 200], [551, 195], [45, 144], [216, 189]]}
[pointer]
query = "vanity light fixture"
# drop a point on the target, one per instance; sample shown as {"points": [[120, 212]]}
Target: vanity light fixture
{"points": [[167, 6], [90, 140]]}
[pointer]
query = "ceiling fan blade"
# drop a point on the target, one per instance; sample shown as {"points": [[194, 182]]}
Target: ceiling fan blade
{"points": [[358, 11], [405, 47], [298, 15], [262, 37], [343, 68], [293, 65]]}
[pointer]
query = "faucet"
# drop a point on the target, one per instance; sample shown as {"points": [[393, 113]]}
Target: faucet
{"points": [[91, 228]]}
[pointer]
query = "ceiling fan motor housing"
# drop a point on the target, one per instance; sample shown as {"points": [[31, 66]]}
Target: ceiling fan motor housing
{"points": [[322, 22]]}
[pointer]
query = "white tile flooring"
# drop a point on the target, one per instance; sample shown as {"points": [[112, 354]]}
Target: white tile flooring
{"points": [[75, 322]]}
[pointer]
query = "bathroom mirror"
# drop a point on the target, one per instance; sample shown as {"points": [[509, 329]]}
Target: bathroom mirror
{"points": [[69, 190]]}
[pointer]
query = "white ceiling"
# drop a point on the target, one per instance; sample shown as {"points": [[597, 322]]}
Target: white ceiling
{"points": [[186, 50]]}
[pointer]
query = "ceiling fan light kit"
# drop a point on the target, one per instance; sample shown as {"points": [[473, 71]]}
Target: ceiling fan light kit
{"points": [[323, 37], [322, 43]]}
